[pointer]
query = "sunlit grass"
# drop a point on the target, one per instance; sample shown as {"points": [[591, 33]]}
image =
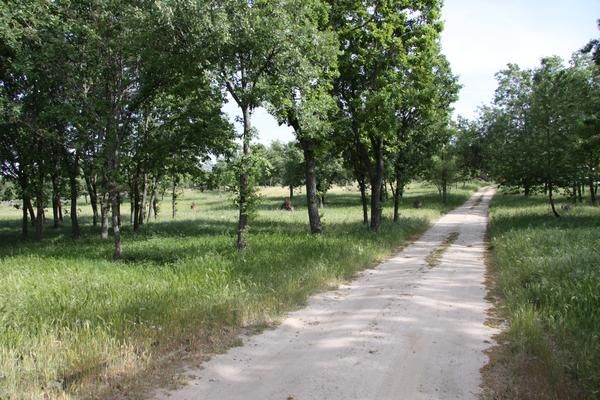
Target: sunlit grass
{"points": [[550, 274], [73, 320]]}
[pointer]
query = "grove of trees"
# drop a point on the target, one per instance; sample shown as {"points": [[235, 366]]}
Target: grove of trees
{"points": [[542, 131], [121, 99]]}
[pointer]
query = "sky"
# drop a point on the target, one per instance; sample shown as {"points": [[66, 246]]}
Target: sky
{"points": [[480, 38]]}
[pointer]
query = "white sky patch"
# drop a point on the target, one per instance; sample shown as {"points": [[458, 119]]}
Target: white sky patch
{"points": [[266, 125], [482, 36]]}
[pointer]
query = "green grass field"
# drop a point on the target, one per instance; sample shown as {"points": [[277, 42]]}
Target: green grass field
{"points": [[549, 274], [75, 323]]}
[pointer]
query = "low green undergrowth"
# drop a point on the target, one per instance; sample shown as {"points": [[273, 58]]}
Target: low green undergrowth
{"points": [[73, 321], [549, 273]]}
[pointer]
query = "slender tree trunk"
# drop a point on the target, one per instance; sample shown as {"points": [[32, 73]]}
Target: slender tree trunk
{"points": [[550, 190], [74, 195], [592, 191], [244, 184], [119, 207], [376, 182], [174, 196], [105, 211], [55, 201], [397, 198], [144, 199], [131, 203], [311, 186], [444, 186], [363, 198], [136, 203], [579, 196], [527, 188], [25, 227], [152, 200], [115, 221], [39, 223], [31, 212], [60, 212], [291, 193], [155, 208], [93, 192]]}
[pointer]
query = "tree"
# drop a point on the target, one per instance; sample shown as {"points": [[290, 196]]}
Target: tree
{"points": [[423, 112], [378, 40], [301, 98], [542, 129], [259, 44], [442, 168], [293, 165]]}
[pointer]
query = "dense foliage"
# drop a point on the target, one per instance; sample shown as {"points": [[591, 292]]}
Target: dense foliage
{"points": [[542, 132], [120, 100]]}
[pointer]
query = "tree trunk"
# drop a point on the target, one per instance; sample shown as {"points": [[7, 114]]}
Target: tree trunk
{"points": [[39, 222], [115, 222], [550, 190], [445, 192], [136, 202], [31, 212], [397, 198], [376, 182], [291, 193], [74, 194], [92, 190], [142, 217], [592, 192], [152, 200], [25, 228], [105, 211], [311, 187], [60, 212], [363, 198], [131, 203], [174, 196], [119, 207], [55, 201], [579, 195], [155, 207], [244, 186], [94, 204]]}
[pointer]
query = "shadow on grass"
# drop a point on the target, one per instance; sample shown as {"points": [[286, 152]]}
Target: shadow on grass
{"points": [[193, 238], [206, 234], [516, 212]]}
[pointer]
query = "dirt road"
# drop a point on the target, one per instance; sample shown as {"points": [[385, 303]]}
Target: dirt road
{"points": [[413, 328]]}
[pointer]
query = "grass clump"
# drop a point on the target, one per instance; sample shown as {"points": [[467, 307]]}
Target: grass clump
{"points": [[76, 324], [549, 273]]}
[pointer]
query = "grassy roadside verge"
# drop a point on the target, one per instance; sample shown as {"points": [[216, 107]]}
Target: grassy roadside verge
{"points": [[75, 324], [547, 272]]}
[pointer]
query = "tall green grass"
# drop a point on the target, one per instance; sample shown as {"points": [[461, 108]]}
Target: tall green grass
{"points": [[549, 272], [72, 320]]}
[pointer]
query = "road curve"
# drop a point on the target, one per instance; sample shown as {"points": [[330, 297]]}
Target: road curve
{"points": [[412, 328]]}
